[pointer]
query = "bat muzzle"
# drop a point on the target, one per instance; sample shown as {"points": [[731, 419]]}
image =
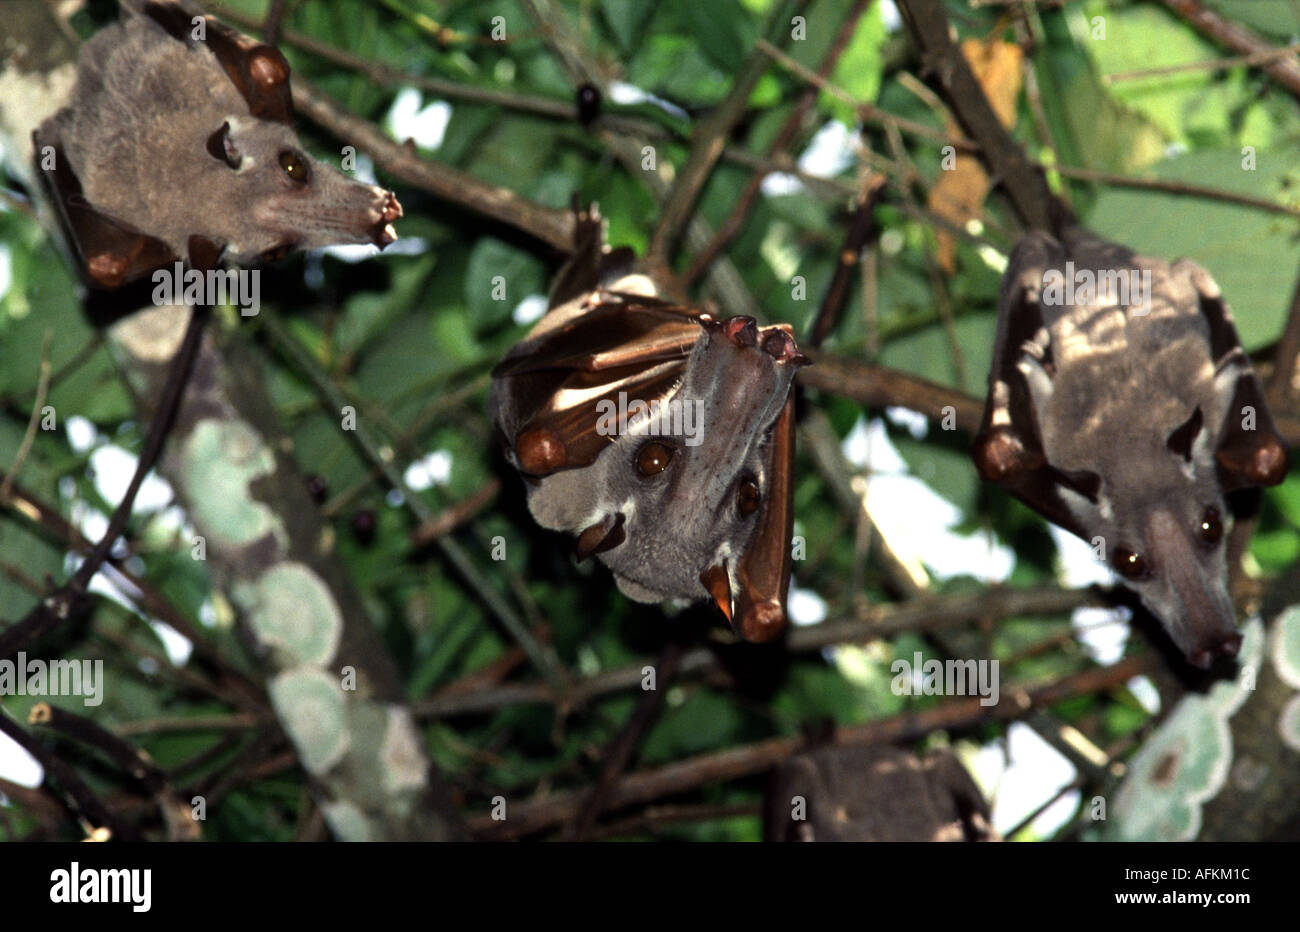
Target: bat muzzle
{"points": [[1191, 581]]}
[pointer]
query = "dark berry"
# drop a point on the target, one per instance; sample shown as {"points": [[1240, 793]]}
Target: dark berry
{"points": [[317, 488], [588, 104], [363, 526]]}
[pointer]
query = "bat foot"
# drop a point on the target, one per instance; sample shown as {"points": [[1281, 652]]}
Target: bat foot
{"points": [[781, 346], [741, 330]]}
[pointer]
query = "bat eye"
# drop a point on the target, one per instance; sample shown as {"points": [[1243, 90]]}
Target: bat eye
{"points": [[1210, 526], [1130, 565], [653, 458], [747, 498], [295, 166]]}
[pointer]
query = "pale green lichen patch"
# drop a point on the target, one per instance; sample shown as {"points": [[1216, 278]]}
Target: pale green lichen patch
{"points": [[1288, 723], [402, 756], [218, 462], [366, 723], [311, 706], [1286, 646], [292, 611], [1186, 761], [1184, 764], [346, 821]]}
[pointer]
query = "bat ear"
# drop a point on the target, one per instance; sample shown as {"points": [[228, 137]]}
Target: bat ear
{"points": [[1250, 451], [112, 252], [221, 147], [605, 534], [1263, 461], [1183, 437]]}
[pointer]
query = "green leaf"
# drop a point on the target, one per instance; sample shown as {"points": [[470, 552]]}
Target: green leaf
{"points": [[1251, 254]]}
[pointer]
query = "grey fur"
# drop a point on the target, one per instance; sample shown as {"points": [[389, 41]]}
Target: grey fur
{"points": [[685, 519], [137, 132], [1108, 386]]}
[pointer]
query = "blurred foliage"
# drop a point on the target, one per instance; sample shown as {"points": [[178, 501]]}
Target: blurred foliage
{"points": [[410, 335]]}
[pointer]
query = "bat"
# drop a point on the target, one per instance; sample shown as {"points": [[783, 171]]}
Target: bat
{"points": [[856, 792], [1123, 408], [178, 142], [659, 435]]}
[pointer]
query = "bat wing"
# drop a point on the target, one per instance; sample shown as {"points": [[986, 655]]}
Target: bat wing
{"points": [[763, 572], [552, 387], [112, 252], [1009, 449], [1250, 451]]}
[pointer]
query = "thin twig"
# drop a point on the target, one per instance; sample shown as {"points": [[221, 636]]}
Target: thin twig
{"points": [[147, 598], [42, 387], [1284, 71], [455, 515], [879, 387], [542, 656], [861, 230], [868, 112], [747, 760], [547, 224], [59, 605], [79, 797], [1175, 187], [1006, 161], [619, 752], [780, 142], [174, 811], [870, 624], [1218, 64], [653, 817], [707, 143], [273, 22]]}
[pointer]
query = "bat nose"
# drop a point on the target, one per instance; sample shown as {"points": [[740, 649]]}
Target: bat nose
{"points": [[1225, 646]]}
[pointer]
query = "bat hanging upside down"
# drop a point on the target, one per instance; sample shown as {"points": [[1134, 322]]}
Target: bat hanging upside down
{"points": [[659, 435], [1123, 408], [178, 142]]}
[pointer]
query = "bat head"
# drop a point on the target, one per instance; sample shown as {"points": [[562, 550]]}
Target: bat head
{"points": [[685, 501], [178, 141], [1164, 525], [292, 201]]}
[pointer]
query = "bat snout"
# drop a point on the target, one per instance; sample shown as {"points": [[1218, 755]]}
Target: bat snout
{"points": [[390, 209], [1189, 594], [1211, 648]]}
